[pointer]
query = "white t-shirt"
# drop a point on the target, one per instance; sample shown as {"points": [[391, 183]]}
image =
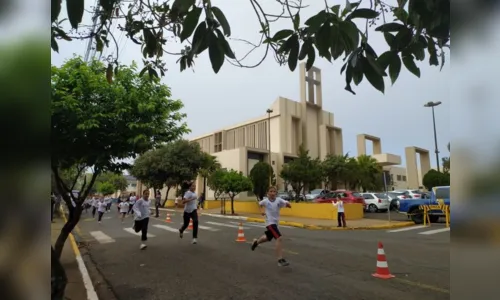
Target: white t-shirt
{"points": [[123, 207], [190, 206], [339, 205], [101, 207], [95, 202], [273, 209], [132, 200]]}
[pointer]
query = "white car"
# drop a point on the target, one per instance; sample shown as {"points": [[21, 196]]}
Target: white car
{"points": [[315, 193], [414, 194], [376, 202]]}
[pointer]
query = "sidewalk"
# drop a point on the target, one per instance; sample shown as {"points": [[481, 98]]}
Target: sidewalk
{"points": [[318, 224], [75, 288]]}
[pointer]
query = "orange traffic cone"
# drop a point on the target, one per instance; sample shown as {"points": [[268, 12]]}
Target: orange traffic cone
{"points": [[382, 266], [241, 235], [190, 224], [168, 220]]}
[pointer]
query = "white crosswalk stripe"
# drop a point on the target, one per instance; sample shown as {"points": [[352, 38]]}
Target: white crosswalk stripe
{"points": [[407, 228], [167, 228], [132, 231], [207, 228], [101, 237], [224, 224], [429, 232]]}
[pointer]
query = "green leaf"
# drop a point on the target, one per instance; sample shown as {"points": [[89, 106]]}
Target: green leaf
{"points": [[150, 42], [282, 34], [99, 45], [55, 9], [390, 27], [350, 34], [152, 73], [385, 59], [315, 22], [222, 20], [335, 9], [143, 71], [418, 50], [443, 60], [401, 14], [348, 79], [109, 73], [323, 40], [357, 74], [53, 44], [311, 57], [200, 38], [294, 52], [107, 5], [403, 38], [375, 79], [75, 9], [216, 53], [190, 23], [62, 34], [296, 22], [364, 13], [395, 68], [182, 6], [337, 46], [390, 39], [375, 66], [225, 45], [305, 49], [411, 66]]}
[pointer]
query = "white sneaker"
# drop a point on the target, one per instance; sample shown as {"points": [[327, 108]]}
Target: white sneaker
{"points": [[194, 241], [143, 246]]}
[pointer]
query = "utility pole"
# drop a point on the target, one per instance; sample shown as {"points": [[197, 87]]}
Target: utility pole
{"points": [[432, 105], [269, 111]]}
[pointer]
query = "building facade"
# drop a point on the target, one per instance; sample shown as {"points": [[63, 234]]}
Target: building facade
{"points": [[275, 136]]}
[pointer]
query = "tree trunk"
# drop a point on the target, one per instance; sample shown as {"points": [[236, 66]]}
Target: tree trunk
{"points": [[166, 196], [205, 187], [232, 205], [73, 218], [58, 277]]}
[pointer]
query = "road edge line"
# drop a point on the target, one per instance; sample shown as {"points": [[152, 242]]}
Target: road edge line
{"points": [[87, 282]]}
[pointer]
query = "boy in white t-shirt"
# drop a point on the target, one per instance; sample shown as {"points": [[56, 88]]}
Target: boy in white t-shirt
{"points": [[270, 207], [124, 207], [190, 212], [340, 211]]}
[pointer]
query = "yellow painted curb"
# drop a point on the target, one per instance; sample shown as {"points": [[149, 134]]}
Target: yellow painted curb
{"points": [[316, 227]]}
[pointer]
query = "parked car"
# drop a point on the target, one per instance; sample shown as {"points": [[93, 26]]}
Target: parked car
{"points": [[414, 194], [396, 196], [411, 207], [315, 193], [376, 202], [284, 195], [346, 196]]}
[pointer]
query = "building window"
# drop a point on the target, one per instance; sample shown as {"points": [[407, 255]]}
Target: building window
{"points": [[398, 177], [218, 142], [133, 185], [404, 178]]}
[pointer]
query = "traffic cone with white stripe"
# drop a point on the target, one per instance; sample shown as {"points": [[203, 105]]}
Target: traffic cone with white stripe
{"points": [[382, 266], [190, 224], [241, 235], [168, 220]]}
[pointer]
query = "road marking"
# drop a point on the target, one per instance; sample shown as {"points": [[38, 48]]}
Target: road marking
{"points": [[249, 224], [224, 224], [207, 228], [435, 231], [167, 228], [101, 237], [132, 231], [408, 228], [422, 285]]}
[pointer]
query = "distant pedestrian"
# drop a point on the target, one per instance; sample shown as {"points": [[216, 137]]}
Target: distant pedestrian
{"points": [[270, 207], [201, 201], [340, 212], [101, 209], [190, 212], [141, 217], [132, 200], [95, 204], [157, 203], [124, 207]]}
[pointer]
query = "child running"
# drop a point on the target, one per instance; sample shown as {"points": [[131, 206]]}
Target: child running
{"points": [[123, 207], [190, 212], [141, 217], [270, 207], [101, 209]]}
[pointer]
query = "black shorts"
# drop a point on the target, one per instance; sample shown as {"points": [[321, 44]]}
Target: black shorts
{"points": [[272, 232], [124, 213]]}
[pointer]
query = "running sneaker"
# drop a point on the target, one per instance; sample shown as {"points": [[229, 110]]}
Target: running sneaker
{"points": [[180, 234], [283, 263], [143, 246], [194, 241], [254, 244]]}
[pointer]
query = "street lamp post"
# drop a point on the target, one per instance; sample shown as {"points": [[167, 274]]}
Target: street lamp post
{"points": [[432, 105], [269, 111]]}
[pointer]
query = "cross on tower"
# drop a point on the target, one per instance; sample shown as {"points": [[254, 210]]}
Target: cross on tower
{"points": [[310, 85]]}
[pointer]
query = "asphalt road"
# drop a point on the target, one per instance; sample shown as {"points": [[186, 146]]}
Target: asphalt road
{"points": [[323, 264]]}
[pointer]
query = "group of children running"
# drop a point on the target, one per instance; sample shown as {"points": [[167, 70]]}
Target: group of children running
{"points": [[270, 208]]}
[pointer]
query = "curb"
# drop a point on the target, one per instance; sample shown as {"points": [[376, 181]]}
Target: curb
{"points": [[230, 217], [317, 227]]}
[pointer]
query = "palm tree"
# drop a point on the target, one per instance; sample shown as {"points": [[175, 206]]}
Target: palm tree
{"points": [[369, 172], [209, 165], [335, 168]]}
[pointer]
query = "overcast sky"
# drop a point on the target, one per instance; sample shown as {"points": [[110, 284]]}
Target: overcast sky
{"points": [[213, 101]]}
